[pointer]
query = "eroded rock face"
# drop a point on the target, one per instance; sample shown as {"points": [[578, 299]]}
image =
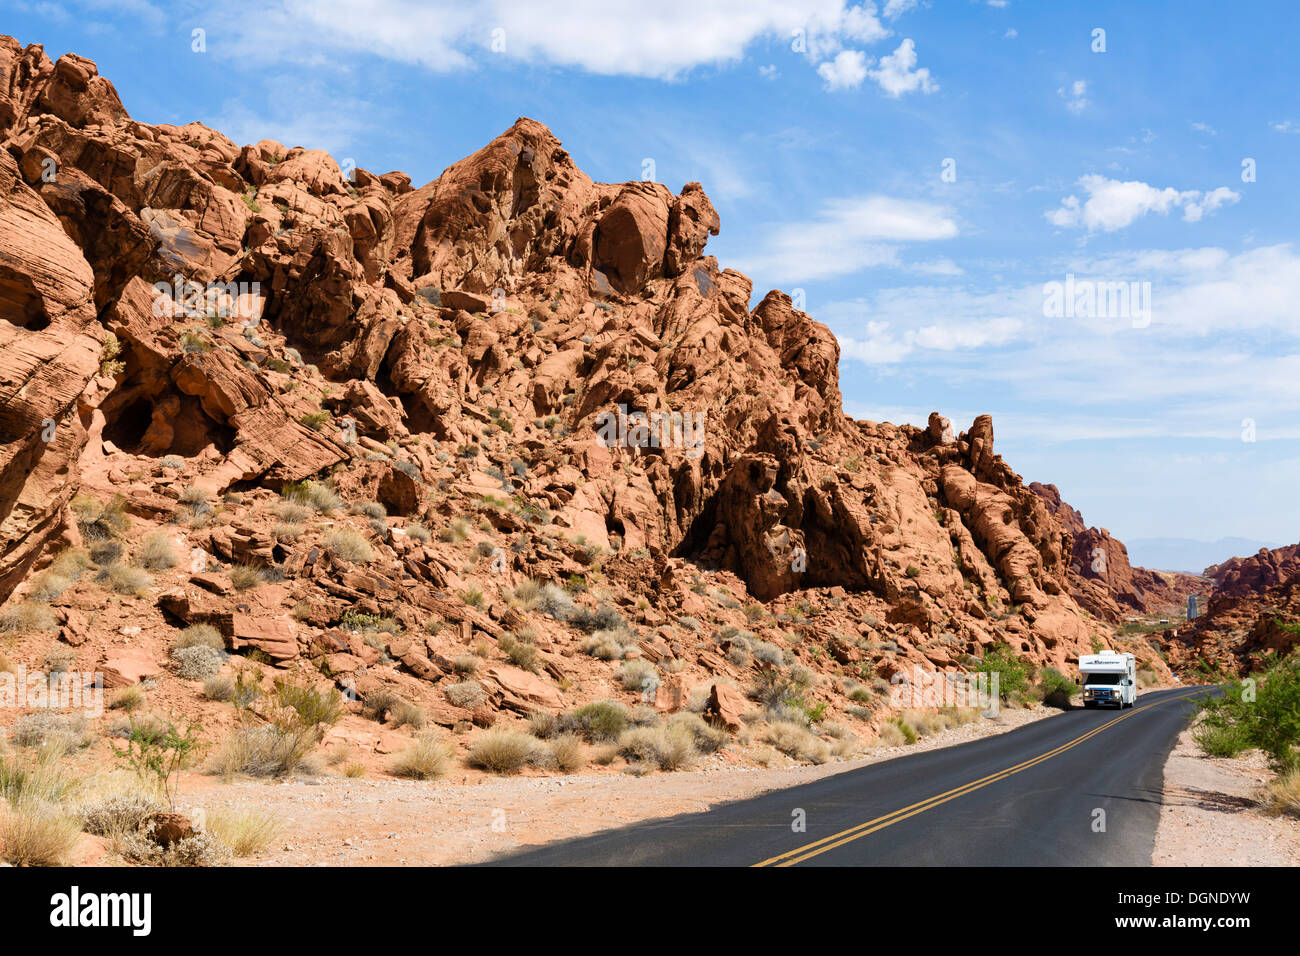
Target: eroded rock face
{"points": [[395, 330], [1100, 576]]}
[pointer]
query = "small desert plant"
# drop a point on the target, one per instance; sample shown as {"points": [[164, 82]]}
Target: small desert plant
{"points": [[34, 833], [126, 579], [219, 688], [349, 545], [603, 720], [129, 699], [198, 662], [668, 748], [158, 551], [1282, 795], [567, 753], [245, 831], [245, 576], [428, 758], [199, 634], [468, 695], [501, 751], [797, 741], [26, 616]]}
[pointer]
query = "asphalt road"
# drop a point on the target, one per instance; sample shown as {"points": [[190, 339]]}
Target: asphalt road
{"points": [[1029, 797]]}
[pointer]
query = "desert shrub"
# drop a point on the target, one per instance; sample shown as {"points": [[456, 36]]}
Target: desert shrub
{"points": [[797, 741], [1056, 688], [129, 699], [1218, 739], [35, 833], [126, 579], [371, 509], [465, 664], [202, 849], [473, 597], [244, 831], [158, 551], [485, 549], [219, 688], [468, 695], [98, 520], [47, 586], [244, 576], [639, 675], [567, 753], [198, 662], [265, 750], [554, 602], [426, 759], [1269, 722], [313, 494], [706, 737], [610, 645], [45, 728], [200, 634], [501, 751], [1282, 795], [543, 725], [1011, 668], [418, 533], [291, 512], [119, 812], [768, 653], [521, 653], [406, 714], [106, 552], [26, 616], [349, 545], [381, 702], [313, 706], [603, 720], [668, 748], [604, 618]]}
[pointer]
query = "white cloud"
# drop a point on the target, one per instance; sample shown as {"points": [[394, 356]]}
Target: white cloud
{"points": [[1011, 33], [845, 72], [896, 8], [1286, 126], [1205, 128], [1075, 96], [847, 236], [1113, 204], [898, 74]]}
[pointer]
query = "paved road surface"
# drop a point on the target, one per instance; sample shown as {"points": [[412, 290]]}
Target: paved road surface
{"points": [[1028, 797]]}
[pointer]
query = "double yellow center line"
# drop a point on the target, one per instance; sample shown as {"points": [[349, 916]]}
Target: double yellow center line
{"points": [[825, 844]]}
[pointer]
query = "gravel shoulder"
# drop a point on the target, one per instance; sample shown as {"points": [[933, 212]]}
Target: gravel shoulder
{"points": [[335, 821], [1209, 816]]}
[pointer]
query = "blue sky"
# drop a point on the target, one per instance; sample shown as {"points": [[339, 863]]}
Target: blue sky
{"points": [[920, 170]]}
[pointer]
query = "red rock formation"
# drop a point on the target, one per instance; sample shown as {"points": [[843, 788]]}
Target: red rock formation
{"points": [[1101, 578], [471, 337]]}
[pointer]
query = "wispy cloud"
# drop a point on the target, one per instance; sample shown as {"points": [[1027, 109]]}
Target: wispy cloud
{"points": [[1112, 204]]}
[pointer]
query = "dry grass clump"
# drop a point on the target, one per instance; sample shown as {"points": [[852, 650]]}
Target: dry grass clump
{"points": [[468, 695], [26, 616], [668, 748], [246, 831], [36, 833], [797, 741], [49, 730], [126, 579], [245, 576], [349, 545], [428, 758], [502, 751], [197, 635], [198, 662], [158, 551], [567, 753], [1282, 795]]}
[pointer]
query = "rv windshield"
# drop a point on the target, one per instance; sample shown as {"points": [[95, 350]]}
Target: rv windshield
{"points": [[1108, 679]]}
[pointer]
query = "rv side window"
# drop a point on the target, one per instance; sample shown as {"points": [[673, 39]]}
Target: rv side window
{"points": [[1108, 679]]}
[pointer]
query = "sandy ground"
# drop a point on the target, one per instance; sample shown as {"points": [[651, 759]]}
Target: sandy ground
{"points": [[335, 821], [1209, 816]]}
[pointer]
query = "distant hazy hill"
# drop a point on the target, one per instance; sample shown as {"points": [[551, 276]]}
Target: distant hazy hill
{"points": [[1187, 554]]}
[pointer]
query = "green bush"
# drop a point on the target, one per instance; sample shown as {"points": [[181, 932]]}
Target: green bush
{"points": [[1011, 669], [1056, 688], [1270, 721]]}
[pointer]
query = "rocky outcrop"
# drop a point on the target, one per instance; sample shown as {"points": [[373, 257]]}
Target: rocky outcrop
{"points": [[1101, 578], [511, 332]]}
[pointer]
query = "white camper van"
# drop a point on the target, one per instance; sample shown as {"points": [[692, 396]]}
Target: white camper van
{"points": [[1108, 678]]}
